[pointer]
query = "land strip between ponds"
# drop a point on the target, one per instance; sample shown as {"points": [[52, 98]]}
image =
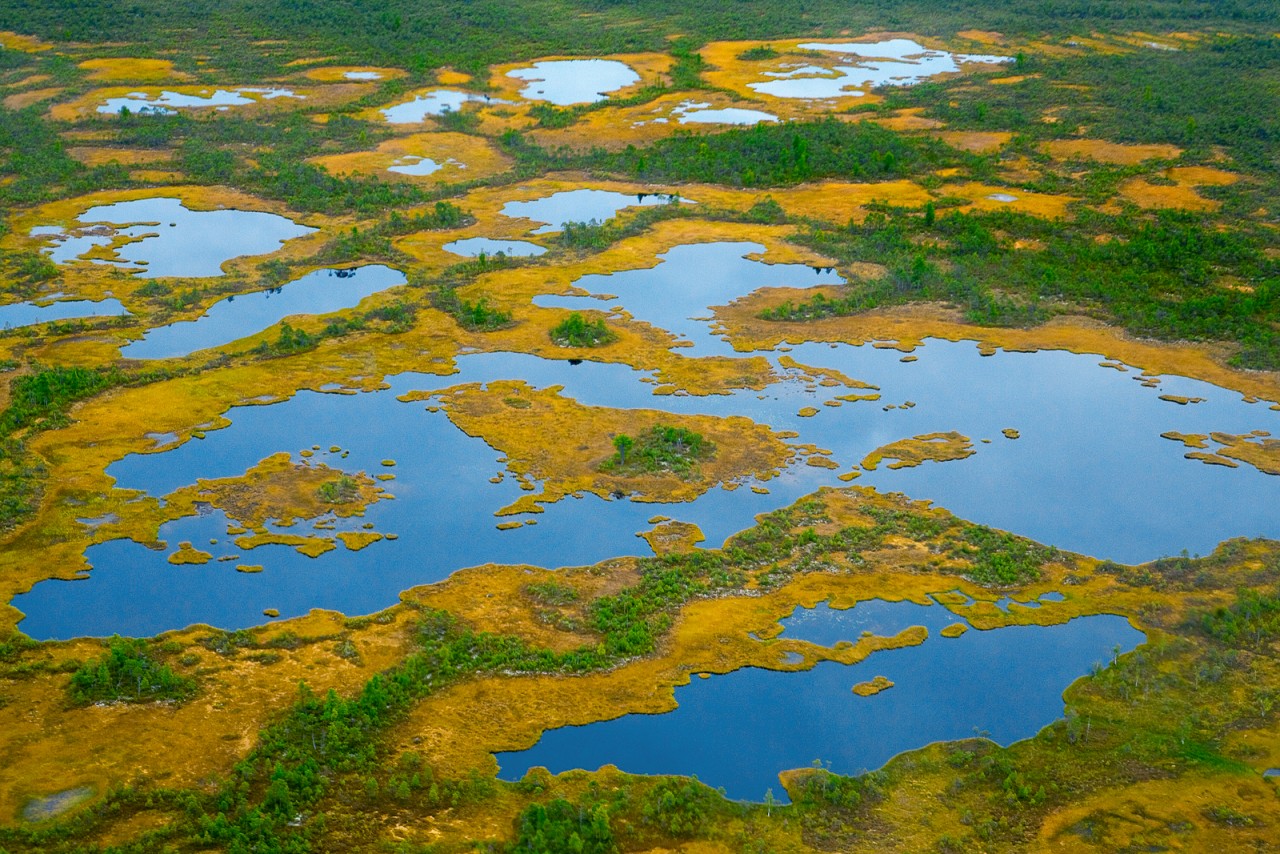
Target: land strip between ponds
{"points": [[241, 693]]}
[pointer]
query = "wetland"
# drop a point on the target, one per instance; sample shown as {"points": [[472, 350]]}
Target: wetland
{"points": [[535, 427]]}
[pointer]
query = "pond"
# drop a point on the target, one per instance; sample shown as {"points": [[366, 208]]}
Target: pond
{"points": [[668, 297], [893, 62], [233, 318], [413, 164], [564, 82], [434, 103], [581, 206], [739, 730], [160, 236], [699, 113], [473, 247], [1088, 472], [29, 313], [141, 102]]}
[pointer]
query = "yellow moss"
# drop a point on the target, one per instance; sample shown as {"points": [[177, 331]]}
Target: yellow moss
{"points": [[270, 612], [1180, 399], [583, 440], [124, 156], [509, 526], [133, 69], [22, 100], [337, 73], [1255, 449], [954, 630], [673, 537], [357, 540], [980, 197], [309, 546], [449, 77], [907, 453], [462, 157], [980, 142], [1182, 194], [1010, 433], [24, 44], [249, 567], [875, 686], [188, 554], [1121, 154]]}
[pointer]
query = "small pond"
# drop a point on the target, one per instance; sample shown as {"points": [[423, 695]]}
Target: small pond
{"points": [[739, 730], [668, 297], [413, 164], [581, 206], [698, 113], [160, 236], [473, 247], [166, 101], [574, 81], [28, 313], [433, 103], [233, 318], [893, 62]]}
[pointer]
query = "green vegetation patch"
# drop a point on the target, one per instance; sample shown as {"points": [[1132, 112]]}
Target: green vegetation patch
{"points": [[576, 331], [659, 449], [127, 673]]}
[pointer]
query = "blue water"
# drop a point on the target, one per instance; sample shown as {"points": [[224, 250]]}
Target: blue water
{"points": [[1090, 472], [580, 206], [739, 730], [667, 297], [472, 247], [574, 81], [28, 313], [318, 292], [166, 238]]}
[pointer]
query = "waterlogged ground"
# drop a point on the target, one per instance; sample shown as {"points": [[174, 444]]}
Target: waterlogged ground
{"points": [[318, 425]]}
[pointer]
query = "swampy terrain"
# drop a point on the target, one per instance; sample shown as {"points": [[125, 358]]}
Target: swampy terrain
{"points": [[565, 426]]}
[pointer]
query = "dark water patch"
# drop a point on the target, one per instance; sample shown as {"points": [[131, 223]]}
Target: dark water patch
{"points": [[738, 731], [52, 806]]}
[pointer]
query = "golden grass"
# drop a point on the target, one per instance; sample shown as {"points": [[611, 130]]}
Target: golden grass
{"points": [[908, 453], [22, 100], [131, 69], [1122, 154], [1038, 204], [980, 142], [563, 443], [338, 73], [92, 156], [24, 44], [1183, 193], [462, 157]]}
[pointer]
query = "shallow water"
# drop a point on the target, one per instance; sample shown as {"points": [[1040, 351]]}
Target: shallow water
{"points": [[233, 318], [432, 103], [1089, 473], [164, 102], [894, 62], [166, 238], [668, 297], [28, 313], [412, 164], [574, 81], [472, 247], [580, 206], [726, 116], [739, 730]]}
